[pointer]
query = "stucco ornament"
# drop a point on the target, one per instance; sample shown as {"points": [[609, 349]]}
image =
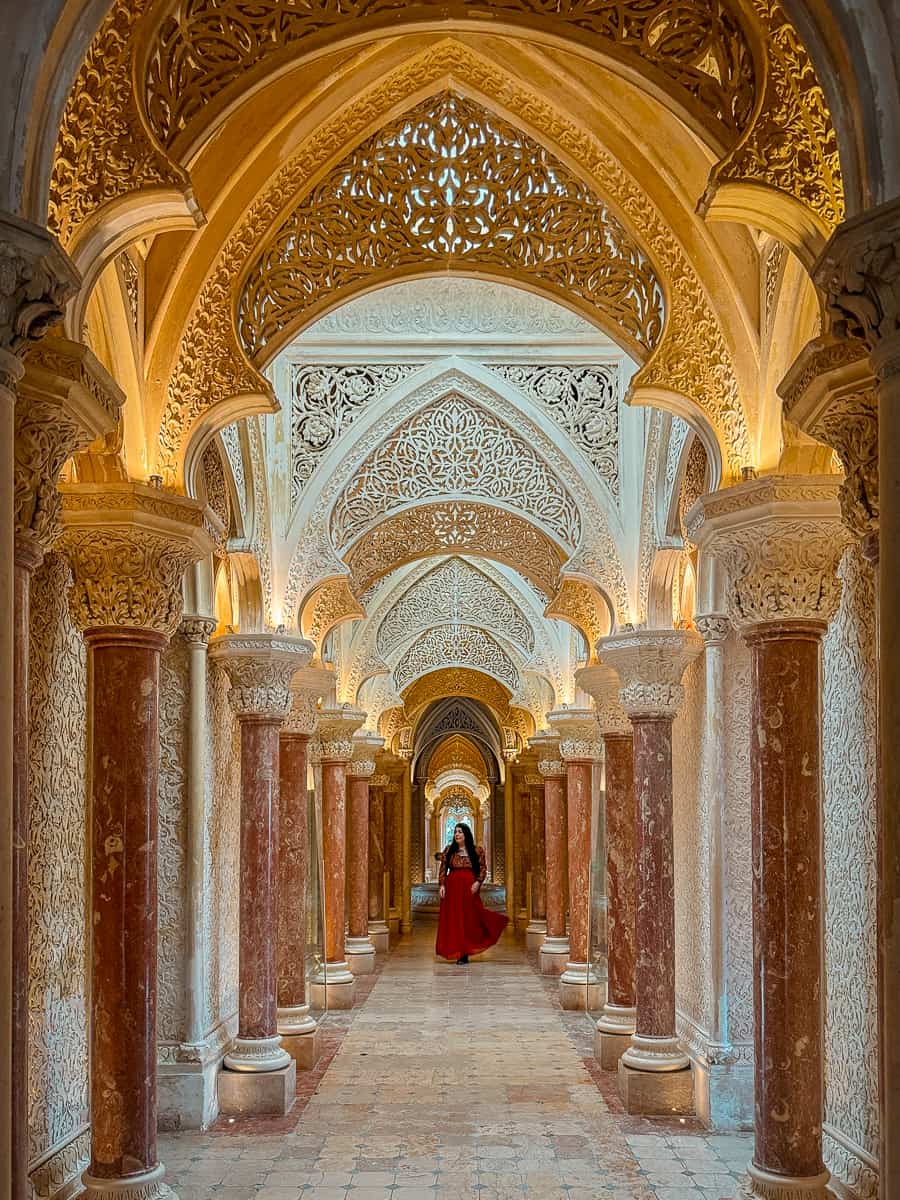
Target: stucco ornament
{"points": [[579, 733], [602, 684], [36, 282], [261, 667], [650, 664], [363, 765], [337, 725]]}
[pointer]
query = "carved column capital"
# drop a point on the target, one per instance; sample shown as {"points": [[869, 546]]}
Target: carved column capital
{"points": [[308, 686], [650, 664], [602, 684], [197, 630], [550, 764], [830, 392], [261, 667], [859, 271], [714, 628], [129, 545], [65, 400], [37, 280], [337, 725], [579, 734], [365, 747], [781, 541], [380, 780]]}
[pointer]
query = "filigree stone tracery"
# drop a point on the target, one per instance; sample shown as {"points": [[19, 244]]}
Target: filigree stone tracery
{"points": [[456, 646], [451, 184], [454, 447]]}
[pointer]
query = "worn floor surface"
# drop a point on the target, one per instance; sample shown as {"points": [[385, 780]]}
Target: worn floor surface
{"points": [[463, 1082]]}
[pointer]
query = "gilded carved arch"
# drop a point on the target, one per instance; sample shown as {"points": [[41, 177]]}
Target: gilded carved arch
{"points": [[457, 681]]}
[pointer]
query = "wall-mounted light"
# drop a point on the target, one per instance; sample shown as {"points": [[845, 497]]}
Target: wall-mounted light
{"points": [[155, 481]]}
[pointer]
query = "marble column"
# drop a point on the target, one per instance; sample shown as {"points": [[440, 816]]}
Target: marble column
{"points": [[405, 901], [858, 274], [509, 844], [65, 400], [360, 949], [580, 747], [782, 541], [378, 926], [617, 1023], [554, 951], [393, 865], [128, 546], [336, 729], [521, 835], [260, 667], [299, 1030], [653, 1072], [537, 926]]}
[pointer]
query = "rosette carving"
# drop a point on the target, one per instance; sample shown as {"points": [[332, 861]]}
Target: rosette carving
{"points": [[261, 667], [129, 546], [650, 664]]}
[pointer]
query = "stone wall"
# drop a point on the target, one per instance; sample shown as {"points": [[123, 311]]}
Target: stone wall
{"points": [[851, 1034], [58, 1109]]}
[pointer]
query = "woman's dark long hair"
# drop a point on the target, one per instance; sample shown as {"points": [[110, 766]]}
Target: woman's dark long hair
{"points": [[470, 848]]}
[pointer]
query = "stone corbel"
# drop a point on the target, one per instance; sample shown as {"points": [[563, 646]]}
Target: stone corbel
{"points": [[650, 664], [261, 667], [37, 280]]}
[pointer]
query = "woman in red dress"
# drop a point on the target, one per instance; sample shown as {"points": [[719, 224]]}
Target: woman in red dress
{"points": [[465, 926]]}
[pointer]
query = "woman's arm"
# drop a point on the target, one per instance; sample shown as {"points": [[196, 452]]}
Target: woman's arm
{"points": [[442, 873], [482, 863]]}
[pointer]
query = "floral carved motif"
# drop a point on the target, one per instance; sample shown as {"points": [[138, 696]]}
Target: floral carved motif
{"points": [[651, 664], [579, 734], [36, 282], [329, 605], [582, 606], [325, 401], [454, 446], [231, 440], [583, 401], [261, 667], [456, 646], [450, 184], [217, 494]]}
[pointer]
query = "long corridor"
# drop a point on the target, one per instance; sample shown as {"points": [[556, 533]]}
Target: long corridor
{"points": [[457, 1082]]}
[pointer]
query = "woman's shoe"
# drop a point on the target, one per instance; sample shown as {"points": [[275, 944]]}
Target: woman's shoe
{"points": [[460, 962]]}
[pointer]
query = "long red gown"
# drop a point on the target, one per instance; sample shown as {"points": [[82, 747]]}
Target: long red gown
{"points": [[465, 926]]}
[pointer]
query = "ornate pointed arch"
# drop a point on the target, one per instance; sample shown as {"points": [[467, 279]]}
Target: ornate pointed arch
{"points": [[447, 646]]}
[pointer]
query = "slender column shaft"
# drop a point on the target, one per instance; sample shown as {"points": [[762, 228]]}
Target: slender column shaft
{"points": [[621, 867], [334, 801], [578, 791], [197, 632], [124, 707], [259, 874], [717, 732], [406, 853], [392, 844], [509, 845], [539, 855], [522, 833], [293, 869], [655, 912], [785, 785], [358, 856], [555, 831], [376, 854]]}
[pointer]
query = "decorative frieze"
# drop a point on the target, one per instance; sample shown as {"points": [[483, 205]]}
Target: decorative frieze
{"points": [[129, 545], [261, 667]]}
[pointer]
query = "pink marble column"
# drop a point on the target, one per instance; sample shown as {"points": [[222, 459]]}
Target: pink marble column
{"points": [[378, 926], [538, 852], [521, 838], [555, 947], [336, 729], [128, 549], [360, 950]]}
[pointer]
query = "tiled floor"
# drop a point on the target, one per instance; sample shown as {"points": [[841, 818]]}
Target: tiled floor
{"points": [[457, 1082]]}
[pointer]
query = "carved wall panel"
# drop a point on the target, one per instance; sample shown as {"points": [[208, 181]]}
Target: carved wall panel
{"points": [[172, 844], [583, 401], [453, 592], [58, 1020], [450, 184], [456, 646], [231, 440], [850, 797], [325, 401], [222, 867], [217, 494], [454, 447]]}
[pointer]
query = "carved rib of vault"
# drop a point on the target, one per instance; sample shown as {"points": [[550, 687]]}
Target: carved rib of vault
{"points": [[454, 592], [456, 646], [454, 447], [450, 184]]}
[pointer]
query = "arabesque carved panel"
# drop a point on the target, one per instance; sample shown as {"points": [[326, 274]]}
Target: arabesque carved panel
{"points": [[456, 646], [172, 844], [450, 184]]}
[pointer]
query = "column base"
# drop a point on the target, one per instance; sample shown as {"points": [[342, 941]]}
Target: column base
{"points": [[613, 1036], [360, 955], [380, 936], [580, 989], [656, 1093], [534, 936], [394, 925], [331, 988], [295, 1021], [149, 1185], [187, 1095], [788, 1187], [256, 1056], [554, 955], [304, 1048], [271, 1094], [655, 1055], [521, 921]]}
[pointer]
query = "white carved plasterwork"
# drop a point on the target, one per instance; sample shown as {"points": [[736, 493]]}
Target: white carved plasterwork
{"points": [[314, 556], [325, 401], [651, 664], [454, 447], [231, 440], [454, 591], [649, 540], [57, 946], [456, 646], [583, 400], [172, 842], [261, 667], [262, 525], [221, 886], [851, 863]]}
